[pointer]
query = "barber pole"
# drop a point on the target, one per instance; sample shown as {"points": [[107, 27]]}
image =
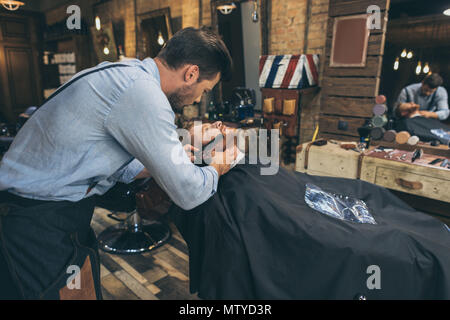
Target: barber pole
{"points": [[289, 71]]}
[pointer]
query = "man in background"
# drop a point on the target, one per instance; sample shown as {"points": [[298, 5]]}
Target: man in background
{"points": [[427, 99]]}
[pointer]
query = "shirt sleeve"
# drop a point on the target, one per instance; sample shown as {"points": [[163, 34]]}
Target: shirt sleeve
{"points": [[442, 104], [127, 174], [142, 122], [402, 98]]}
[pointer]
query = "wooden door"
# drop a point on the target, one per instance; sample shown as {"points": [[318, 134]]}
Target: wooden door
{"points": [[20, 76]]}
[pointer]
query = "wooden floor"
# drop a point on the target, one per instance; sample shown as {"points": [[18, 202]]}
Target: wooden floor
{"points": [[162, 274]]}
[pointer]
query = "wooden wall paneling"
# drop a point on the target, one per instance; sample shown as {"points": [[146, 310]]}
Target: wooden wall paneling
{"points": [[351, 87], [14, 29], [372, 68], [347, 106], [21, 78], [20, 61], [384, 23], [348, 94], [340, 137], [375, 46], [330, 124], [350, 7]]}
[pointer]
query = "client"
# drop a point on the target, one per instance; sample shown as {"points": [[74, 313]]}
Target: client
{"points": [[275, 237]]}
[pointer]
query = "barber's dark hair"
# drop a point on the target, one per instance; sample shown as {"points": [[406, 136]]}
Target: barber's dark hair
{"points": [[201, 47], [433, 80]]}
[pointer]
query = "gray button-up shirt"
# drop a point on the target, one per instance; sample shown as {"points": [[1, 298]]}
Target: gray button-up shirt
{"points": [[437, 102], [99, 130]]}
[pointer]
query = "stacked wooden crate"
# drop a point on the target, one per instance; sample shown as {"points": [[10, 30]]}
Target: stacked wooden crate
{"points": [[348, 93]]}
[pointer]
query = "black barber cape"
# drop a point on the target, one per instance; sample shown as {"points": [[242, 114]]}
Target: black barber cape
{"points": [[423, 127], [258, 239]]}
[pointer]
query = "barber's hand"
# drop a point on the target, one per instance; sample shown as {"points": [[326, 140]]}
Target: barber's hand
{"points": [[222, 160], [189, 149], [428, 114], [407, 109]]}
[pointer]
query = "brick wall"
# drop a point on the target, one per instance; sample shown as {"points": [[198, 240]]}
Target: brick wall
{"points": [[287, 25], [288, 21]]}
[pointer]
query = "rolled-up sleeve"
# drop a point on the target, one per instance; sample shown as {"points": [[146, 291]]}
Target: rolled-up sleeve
{"points": [[142, 122], [442, 104], [127, 174]]}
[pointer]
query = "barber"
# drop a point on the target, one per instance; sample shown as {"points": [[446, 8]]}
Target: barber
{"points": [[116, 123], [428, 99]]}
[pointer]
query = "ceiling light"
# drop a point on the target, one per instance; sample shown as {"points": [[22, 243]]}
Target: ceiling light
{"points": [[226, 8], [447, 12], [426, 68], [409, 55], [11, 4], [403, 54], [106, 51]]}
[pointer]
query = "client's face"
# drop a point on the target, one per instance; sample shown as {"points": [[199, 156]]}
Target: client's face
{"points": [[209, 131]]}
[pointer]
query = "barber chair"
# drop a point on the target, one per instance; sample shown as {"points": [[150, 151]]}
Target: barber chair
{"points": [[133, 235]]}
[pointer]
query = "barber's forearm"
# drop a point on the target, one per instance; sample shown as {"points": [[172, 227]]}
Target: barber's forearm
{"points": [[144, 174]]}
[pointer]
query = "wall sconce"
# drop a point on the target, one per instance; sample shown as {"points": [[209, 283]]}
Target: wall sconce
{"points": [[255, 17], [226, 8], [11, 5]]}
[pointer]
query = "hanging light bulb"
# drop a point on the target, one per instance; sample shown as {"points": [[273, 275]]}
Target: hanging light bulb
{"points": [[426, 68], [160, 39], [418, 68], [409, 55], [98, 24], [396, 64], [106, 50], [403, 54]]}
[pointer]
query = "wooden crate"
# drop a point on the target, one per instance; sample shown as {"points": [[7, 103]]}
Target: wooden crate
{"points": [[418, 178], [329, 160], [422, 180]]}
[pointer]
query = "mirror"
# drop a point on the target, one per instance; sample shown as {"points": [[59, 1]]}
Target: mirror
{"points": [[153, 30], [245, 32]]}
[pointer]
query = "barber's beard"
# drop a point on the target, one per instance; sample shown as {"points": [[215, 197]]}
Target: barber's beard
{"points": [[179, 98]]}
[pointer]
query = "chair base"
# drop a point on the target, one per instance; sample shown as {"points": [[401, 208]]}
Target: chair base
{"points": [[124, 239]]}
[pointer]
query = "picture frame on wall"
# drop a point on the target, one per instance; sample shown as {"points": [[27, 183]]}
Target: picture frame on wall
{"points": [[350, 41]]}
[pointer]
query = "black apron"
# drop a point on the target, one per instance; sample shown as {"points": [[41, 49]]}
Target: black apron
{"points": [[43, 244]]}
